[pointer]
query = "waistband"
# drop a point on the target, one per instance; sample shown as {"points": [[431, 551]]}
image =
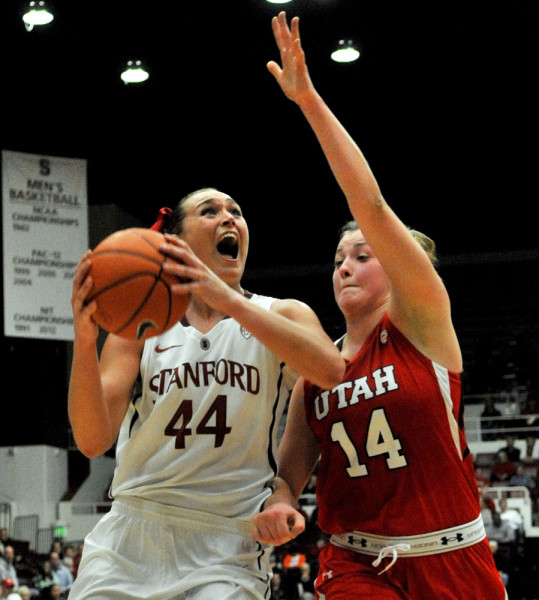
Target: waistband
{"points": [[436, 542], [176, 516]]}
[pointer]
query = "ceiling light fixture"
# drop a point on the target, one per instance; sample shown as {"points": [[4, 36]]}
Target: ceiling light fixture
{"points": [[37, 14], [134, 73], [278, 1], [346, 51]]}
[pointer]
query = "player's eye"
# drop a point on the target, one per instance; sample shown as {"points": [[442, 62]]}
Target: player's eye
{"points": [[208, 210]]}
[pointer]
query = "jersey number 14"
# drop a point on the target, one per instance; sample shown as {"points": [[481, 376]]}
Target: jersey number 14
{"points": [[380, 441]]}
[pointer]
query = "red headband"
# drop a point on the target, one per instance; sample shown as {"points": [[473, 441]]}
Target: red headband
{"points": [[159, 225]]}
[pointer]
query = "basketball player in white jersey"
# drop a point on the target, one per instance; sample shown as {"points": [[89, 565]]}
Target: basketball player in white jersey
{"points": [[196, 441]]}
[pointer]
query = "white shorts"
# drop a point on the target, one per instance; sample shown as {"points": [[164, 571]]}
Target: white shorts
{"points": [[142, 549]]}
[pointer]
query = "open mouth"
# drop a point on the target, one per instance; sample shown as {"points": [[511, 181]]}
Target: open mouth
{"points": [[228, 246]]}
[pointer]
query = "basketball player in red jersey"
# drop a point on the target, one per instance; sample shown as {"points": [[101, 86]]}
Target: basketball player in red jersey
{"points": [[396, 488]]}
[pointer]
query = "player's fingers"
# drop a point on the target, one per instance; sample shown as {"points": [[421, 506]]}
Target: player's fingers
{"points": [[294, 28], [180, 252], [282, 530], [80, 293], [274, 69], [186, 273], [276, 31], [81, 271], [265, 530], [260, 531], [296, 525]]}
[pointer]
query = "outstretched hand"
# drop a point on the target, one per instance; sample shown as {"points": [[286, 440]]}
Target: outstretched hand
{"points": [[293, 75]]}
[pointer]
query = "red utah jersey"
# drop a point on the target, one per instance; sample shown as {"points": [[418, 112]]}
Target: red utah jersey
{"points": [[395, 461]]}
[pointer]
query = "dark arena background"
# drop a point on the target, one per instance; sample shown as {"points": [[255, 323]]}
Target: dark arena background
{"points": [[443, 102]]}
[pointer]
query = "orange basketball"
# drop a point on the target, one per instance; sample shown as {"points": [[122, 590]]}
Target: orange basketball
{"points": [[133, 294]]}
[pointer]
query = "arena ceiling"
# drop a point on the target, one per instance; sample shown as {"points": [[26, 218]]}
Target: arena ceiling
{"points": [[443, 101]]}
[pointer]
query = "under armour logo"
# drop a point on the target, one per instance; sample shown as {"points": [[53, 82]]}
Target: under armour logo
{"points": [[327, 575], [457, 538], [359, 541]]}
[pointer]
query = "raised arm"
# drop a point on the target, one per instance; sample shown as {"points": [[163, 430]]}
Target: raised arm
{"points": [[419, 302], [99, 390]]}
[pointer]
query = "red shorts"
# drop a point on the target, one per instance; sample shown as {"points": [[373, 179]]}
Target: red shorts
{"points": [[466, 574]]}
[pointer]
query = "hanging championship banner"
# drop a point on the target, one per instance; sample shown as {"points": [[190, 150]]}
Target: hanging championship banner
{"points": [[45, 234]]}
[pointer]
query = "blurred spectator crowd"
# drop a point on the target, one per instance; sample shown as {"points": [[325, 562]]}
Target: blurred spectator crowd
{"points": [[26, 575], [507, 483]]}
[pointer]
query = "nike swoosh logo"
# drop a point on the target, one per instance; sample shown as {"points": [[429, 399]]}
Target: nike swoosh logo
{"points": [[159, 350]]}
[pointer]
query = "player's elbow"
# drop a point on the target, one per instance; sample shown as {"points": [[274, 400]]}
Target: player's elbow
{"points": [[90, 446], [90, 450]]}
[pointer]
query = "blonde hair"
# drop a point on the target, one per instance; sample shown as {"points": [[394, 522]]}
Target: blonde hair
{"points": [[426, 243], [423, 240]]}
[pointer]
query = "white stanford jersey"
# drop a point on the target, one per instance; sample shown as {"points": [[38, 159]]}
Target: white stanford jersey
{"points": [[202, 435]]}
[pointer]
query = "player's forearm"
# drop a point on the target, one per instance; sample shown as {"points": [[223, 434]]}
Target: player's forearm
{"points": [[345, 158], [86, 404], [296, 337], [281, 492]]}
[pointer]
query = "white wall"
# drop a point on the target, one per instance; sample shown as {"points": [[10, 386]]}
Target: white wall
{"points": [[33, 479]]}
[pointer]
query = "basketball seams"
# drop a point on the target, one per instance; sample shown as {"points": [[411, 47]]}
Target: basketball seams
{"points": [[133, 293], [131, 253], [141, 305], [135, 234], [118, 282]]}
